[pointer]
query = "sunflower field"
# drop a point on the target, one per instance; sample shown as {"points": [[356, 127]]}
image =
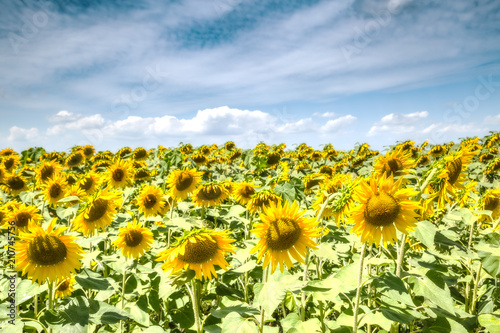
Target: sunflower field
{"points": [[270, 239]]}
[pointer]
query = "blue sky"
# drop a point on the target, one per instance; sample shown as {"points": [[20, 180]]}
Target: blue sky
{"points": [[145, 73]]}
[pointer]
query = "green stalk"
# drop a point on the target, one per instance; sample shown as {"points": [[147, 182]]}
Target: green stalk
{"points": [[123, 295], [264, 281], [303, 296], [476, 285], [51, 298], [358, 291], [194, 293]]}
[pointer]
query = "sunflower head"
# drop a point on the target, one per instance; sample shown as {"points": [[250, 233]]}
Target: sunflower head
{"points": [[229, 145], [493, 167], [150, 200], [261, 199], [14, 184], [384, 207], [142, 173], [316, 155], [284, 232], [394, 163], [124, 152], [88, 151], [47, 170], [209, 195], [55, 189], [198, 250], [327, 170], [423, 160], [311, 181], [199, 159], [10, 162], [75, 159], [134, 240], [89, 182], [140, 154], [438, 150], [47, 254], [273, 158], [119, 174], [182, 182], [234, 154], [23, 216], [243, 192], [490, 201]]}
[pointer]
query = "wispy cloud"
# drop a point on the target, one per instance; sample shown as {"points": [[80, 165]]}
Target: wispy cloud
{"points": [[397, 123]]}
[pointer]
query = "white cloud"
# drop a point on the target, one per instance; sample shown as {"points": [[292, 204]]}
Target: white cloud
{"points": [[338, 124], [324, 114], [397, 123], [492, 119], [63, 116], [300, 126], [22, 134], [454, 128], [71, 122]]}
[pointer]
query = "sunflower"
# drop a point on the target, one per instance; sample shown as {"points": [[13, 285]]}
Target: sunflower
{"points": [[88, 151], [488, 156], [55, 189], [47, 170], [450, 176], [423, 160], [150, 200], [229, 145], [284, 232], [74, 191], [326, 170], [65, 287], [315, 155], [394, 163], [302, 166], [438, 150], [490, 201], [273, 158], [2, 173], [187, 149], [142, 173], [338, 208], [330, 154], [7, 152], [134, 240], [312, 180], [124, 152], [14, 184], [89, 182], [140, 154], [243, 192], [75, 159], [199, 159], [119, 174], [183, 182], [384, 207], [261, 199], [101, 165], [492, 167], [98, 211], [47, 254], [208, 195], [234, 154], [23, 216], [199, 250], [10, 162]]}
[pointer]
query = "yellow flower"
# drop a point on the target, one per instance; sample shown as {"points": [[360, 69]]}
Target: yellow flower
{"points": [[98, 211], [284, 232], [199, 159], [75, 159], [10, 162], [273, 158], [89, 183], [14, 184], [209, 195], [199, 250], [47, 170], [312, 180], [23, 216], [183, 182], [140, 154], [65, 287], [134, 240], [261, 199], [88, 151], [490, 201], [384, 207], [394, 163], [47, 255], [74, 191], [150, 200], [119, 174], [243, 192], [55, 189], [438, 150]]}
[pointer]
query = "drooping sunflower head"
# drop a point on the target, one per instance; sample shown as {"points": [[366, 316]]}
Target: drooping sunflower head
{"points": [[261, 199], [302, 166], [124, 153], [74, 191], [47, 170], [230, 145], [142, 173], [140, 154], [47, 254], [316, 155], [243, 192], [312, 181], [119, 174], [384, 207], [493, 167], [423, 160], [326, 170], [199, 250], [394, 163], [23, 216], [134, 240], [14, 184], [186, 149], [55, 189], [273, 158], [89, 182], [75, 159], [488, 155], [182, 182], [199, 159], [490, 201], [284, 232], [330, 154], [101, 166], [65, 287], [339, 207], [209, 195], [98, 211], [438, 150], [234, 154], [150, 200]]}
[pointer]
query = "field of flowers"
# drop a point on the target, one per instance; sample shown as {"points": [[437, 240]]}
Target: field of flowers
{"points": [[269, 239]]}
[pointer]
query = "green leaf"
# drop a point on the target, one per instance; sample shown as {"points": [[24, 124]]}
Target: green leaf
{"points": [[184, 316], [445, 325], [425, 233], [26, 290], [88, 282], [393, 288], [248, 266], [268, 295], [234, 323], [139, 311], [490, 321], [433, 287], [241, 309], [293, 324], [490, 258]]}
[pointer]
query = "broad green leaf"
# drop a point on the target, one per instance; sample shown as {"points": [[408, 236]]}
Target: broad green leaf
{"points": [[240, 309], [391, 286], [433, 287], [490, 321], [234, 323], [376, 318], [184, 316], [444, 325], [139, 311], [27, 289], [268, 295], [88, 282], [425, 232], [248, 266]]}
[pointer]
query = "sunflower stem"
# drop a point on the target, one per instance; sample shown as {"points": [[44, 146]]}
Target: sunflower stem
{"points": [[264, 281], [476, 285], [358, 291], [401, 254], [123, 294], [36, 305], [195, 300], [303, 295]]}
